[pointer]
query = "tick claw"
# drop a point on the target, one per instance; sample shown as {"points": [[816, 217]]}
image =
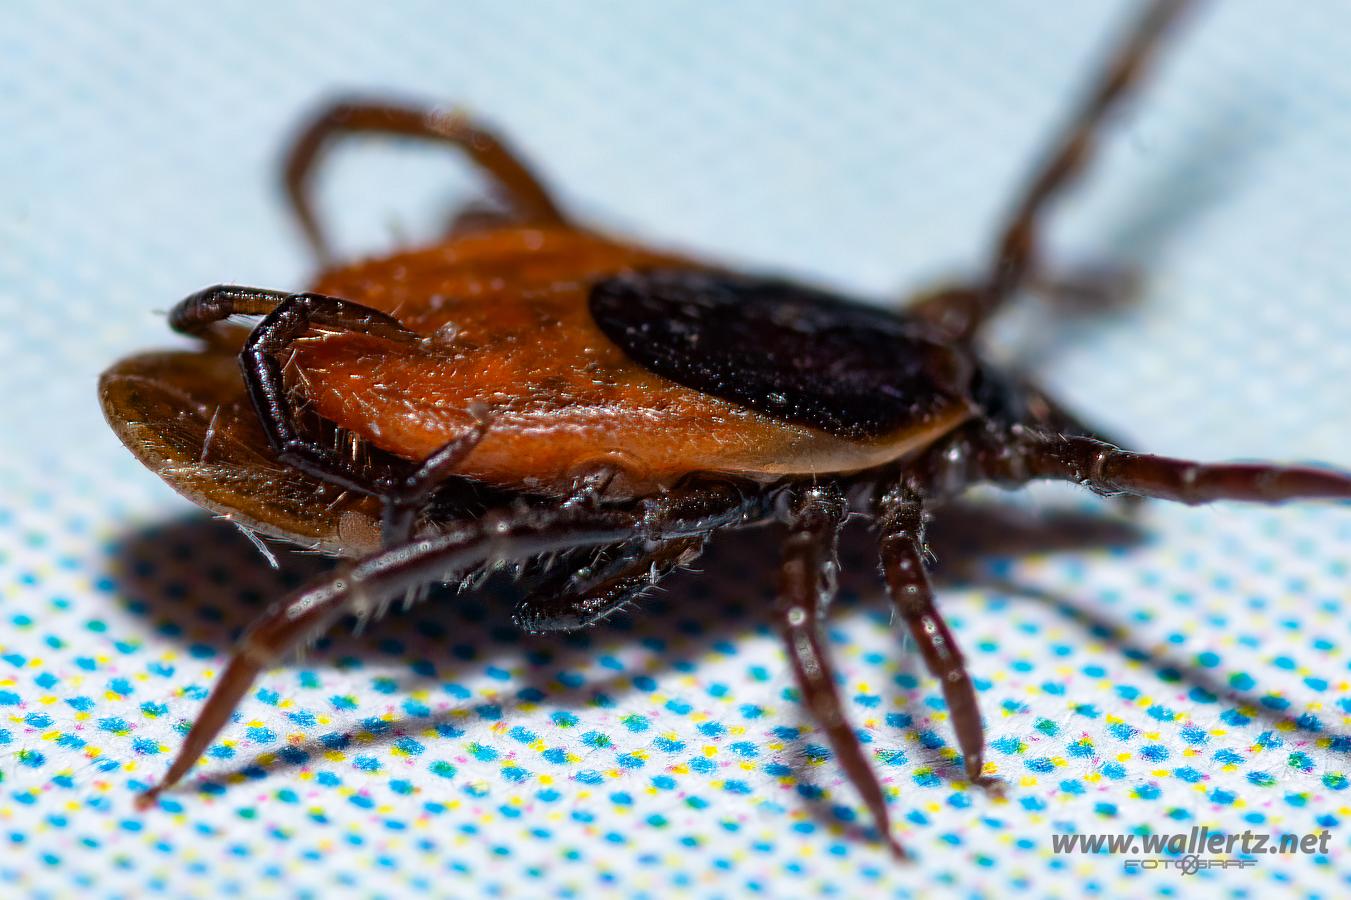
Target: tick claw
{"points": [[146, 799], [993, 787]]}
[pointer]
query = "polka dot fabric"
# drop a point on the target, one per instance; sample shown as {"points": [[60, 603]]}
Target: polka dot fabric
{"points": [[1188, 669]]}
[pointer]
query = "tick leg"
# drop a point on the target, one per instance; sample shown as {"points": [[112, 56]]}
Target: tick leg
{"points": [[261, 363], [1048, 414], [961, 312], [404, 496], [197, 313], [505, 534], [1087, 289], [1108, 470], [525, 192], [286, 318], [204, 314], [901, 519], [581, 598], [806, 588]]}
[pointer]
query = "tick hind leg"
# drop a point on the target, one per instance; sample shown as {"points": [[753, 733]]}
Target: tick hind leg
{"points": [[960, 312], [511, 533], [901, 520], [807, 585], [525, 192]]}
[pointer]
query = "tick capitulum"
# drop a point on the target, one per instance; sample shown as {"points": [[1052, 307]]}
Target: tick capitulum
{"points": [[535, 391]]}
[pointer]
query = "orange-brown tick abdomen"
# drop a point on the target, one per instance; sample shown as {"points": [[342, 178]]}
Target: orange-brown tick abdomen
{"points": [[508, 331]]}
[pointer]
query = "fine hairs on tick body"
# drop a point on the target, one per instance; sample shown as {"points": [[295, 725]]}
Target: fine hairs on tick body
{"points": [[530, 392]]}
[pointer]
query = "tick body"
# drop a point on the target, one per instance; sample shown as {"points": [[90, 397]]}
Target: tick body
{"points": [[536, 394]]}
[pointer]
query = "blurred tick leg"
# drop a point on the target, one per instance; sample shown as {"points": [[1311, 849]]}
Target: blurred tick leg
{"points": [[523, 189], [960, 312]]}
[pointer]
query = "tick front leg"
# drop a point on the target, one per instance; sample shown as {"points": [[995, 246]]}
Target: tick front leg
{"points": [[961, 312], [1108, 470], [489, 152], [287, 318], [261, 362], [195, 314], [807, 585], [901, 519]]}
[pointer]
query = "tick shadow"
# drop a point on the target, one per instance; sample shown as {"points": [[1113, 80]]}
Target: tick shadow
{"points": [[201, 582]]}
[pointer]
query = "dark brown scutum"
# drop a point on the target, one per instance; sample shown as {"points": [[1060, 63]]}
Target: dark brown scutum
{"points": [[798, 354]]}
